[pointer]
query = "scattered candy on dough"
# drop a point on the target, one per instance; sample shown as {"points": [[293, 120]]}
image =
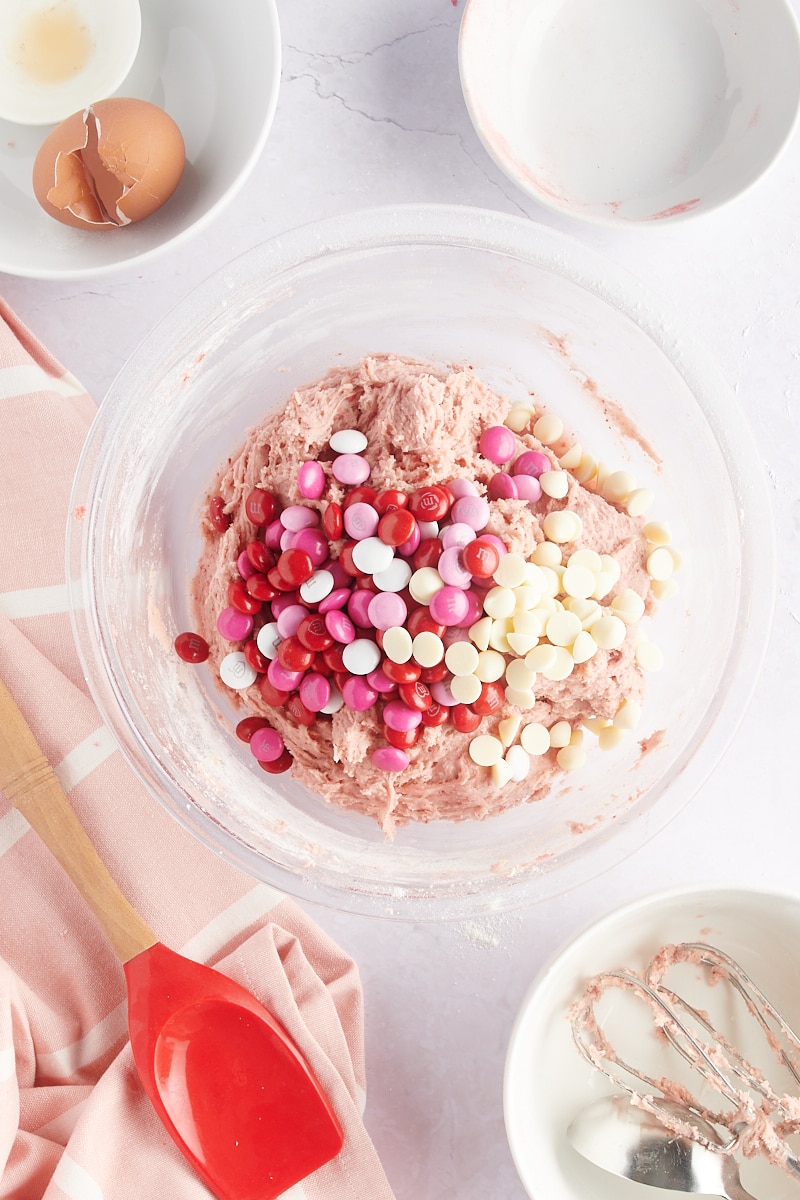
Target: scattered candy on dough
{"points": [[422, 599]]}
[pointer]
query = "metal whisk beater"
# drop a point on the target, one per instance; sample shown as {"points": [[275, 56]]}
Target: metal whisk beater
{"points": [[762, 1116]]}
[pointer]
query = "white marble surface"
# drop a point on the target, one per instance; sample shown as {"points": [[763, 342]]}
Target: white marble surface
{"points": [[371, 112]]}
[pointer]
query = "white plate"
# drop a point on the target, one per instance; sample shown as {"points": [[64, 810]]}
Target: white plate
{"points": [[215, 68], [631, 111], [547, 1082]]}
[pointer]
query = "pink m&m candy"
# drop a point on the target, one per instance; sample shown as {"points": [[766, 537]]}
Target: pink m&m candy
{"points": [[531, 462], [350, 469], [282, 678], [358, 607], [387, 758], [461, 487], [458, 534], [400, 717], [289, 619], [298, 516], [498, 444], [311, 480], [361, 521], [503, 487], [380, 681], [313, 541], [473, 511], [266, 744], [528, 488], [357, 694], [449, 606], [233, 625], [452, 569], [336, 599], [339, 626], [386, 610], [315, 691], [244, 565]]}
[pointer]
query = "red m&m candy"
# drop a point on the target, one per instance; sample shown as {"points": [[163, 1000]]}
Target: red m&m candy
{"points": [[191, 647], [260, 506], [480, 558]]}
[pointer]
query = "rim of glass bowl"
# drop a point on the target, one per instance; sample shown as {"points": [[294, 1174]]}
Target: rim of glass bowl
{"points": [[539, 246]]}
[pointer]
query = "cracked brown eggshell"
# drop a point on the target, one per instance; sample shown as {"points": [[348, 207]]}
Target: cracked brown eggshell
{"points": [[110, 164]]}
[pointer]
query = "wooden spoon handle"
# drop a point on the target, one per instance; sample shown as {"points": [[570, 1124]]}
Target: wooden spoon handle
{"points": [[31, 786]]}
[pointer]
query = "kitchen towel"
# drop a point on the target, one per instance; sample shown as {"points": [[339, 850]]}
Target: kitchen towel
{"points": [[74, 1120]]}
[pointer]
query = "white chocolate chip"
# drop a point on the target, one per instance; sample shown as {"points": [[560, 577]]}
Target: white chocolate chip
{"points": [[586, 558], [480, 632], [541, 658], [499, 602], [563, 628], [579, 582], [554, 484], [584, 647], [548, 429], [491, 666], [518, 676], [639, 502], [502, 773], [657, 533], [571, 758], [618, 486], [610, 737], [596, 724], [527, 597], [560, 733], [649, 657], [498, 638], [510, 572], [485, 750], [660, 563], [677, 561], [518, 419], [628, 605], [528, 624], [547, 554], [576, 737], [535, 739], [570, 458], [585, 470], [628, 715], [562, 526], [508, 729], [561, 668], [427, 648], [664, 589], [397, 644], [465, 688], [523, 698], [521, 643], [461, 658], [609, 632], [424, 584], [519, 762], [551, 580], [587, 611]]}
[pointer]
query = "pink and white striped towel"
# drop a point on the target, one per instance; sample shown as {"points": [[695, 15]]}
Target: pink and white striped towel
{"points": [[74, 1121]]}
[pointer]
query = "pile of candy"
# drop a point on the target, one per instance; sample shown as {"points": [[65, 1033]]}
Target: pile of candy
{"points": [[404, 601]]}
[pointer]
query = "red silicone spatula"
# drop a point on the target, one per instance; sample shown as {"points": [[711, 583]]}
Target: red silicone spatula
{"points": [[233, 1091]]}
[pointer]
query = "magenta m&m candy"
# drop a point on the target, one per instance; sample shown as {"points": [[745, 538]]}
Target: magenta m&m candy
{"points": [[449, 606], [498, 444], [311, 480], [389, 758], [233, 625], [358, 695], [531, 462], [266, 744]]}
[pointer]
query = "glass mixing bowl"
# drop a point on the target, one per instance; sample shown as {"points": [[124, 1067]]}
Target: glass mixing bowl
{"points": [[529, 310]]}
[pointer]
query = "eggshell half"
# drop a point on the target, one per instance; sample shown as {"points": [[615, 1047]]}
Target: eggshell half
{"points": [[115, 162]]}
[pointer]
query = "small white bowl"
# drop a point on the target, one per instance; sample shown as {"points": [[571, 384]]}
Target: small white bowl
{"points": [[215, 68], [631, 111], [56, 59], [547, 1081]]}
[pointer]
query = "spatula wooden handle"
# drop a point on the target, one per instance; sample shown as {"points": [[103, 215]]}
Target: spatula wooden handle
{"points": [[31, 786]]}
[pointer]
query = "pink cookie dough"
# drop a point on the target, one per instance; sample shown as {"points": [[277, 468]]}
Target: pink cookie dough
{"points": [[423, 424]]}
